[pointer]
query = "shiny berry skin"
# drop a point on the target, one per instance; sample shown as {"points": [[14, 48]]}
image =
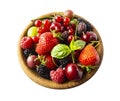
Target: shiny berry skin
{"points": [[26, 42], [58, 76], [56, 26], [35, 39], [38, 23], [71, 31], [47, 24], [73, 72], [32, 61], [41, 30], [70, 37], [66, 21], [89, 36], [68, 13], [85, 37], [93, 36], [58, 19]]}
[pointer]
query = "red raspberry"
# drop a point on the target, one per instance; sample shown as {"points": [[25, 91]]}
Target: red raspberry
{"points": [[26, 42], [58, 75]]}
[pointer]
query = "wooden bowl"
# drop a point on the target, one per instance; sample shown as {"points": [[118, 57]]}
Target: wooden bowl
{"points": [[49, 83]]}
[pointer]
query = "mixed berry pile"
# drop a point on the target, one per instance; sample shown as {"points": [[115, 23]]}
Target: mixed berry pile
{"points": [[61, 47]]}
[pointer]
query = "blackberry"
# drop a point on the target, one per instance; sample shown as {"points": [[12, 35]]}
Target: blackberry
{"points": [[88, 25], [64, 36], [28, 52], [81, 20], [63, 62], [43, 71], [81, 27]]}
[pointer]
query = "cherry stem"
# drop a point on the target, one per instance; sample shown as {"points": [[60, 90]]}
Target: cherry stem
{"points": [[98, 42], [83, 33], [73, 59], [54, 62], [76, 30]]}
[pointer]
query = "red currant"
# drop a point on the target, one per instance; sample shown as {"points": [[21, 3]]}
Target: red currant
{"points": [[56, 26], [71, 31], [59, 19], [66, 21], [41, 30], [38, 23], [35, 39], [47, 24], [73, 26], [70, 37]]}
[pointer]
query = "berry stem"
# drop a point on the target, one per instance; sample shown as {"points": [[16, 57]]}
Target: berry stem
{"points": [[88, 69], [76, 30], [73, 58], [97, 43], [54, 62]]}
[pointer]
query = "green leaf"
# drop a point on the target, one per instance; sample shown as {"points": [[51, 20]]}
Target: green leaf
{"points": [[73, 21], [78, 44], [60, 51]]}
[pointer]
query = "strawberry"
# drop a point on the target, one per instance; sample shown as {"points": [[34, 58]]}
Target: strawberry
{"points": [[46, 43], [58, 75], [89, 56], [49, 62]]}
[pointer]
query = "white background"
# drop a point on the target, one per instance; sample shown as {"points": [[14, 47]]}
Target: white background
{"points": [[16, 86]]}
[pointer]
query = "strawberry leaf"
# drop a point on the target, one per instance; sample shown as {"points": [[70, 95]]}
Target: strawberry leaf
{"points": [[60, 51], [78, 44]]}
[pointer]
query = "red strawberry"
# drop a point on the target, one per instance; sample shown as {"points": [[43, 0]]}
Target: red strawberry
{"points": [[89, 56], [58, 75], [49, 62], [46, 43], [26, 42]]}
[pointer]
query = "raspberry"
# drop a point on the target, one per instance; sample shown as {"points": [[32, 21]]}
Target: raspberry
{"points": [[58, 75], [26, 42]]}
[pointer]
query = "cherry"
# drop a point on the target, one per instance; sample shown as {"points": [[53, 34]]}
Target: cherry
{"points": [[66, 21], [73, 72], [71, 31], [56, 26], [89, 36], [59, 19], [93, 36], [70, 37], [73, 26], [85, 37], [35, 39], [38, 23], [77, 53]]}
